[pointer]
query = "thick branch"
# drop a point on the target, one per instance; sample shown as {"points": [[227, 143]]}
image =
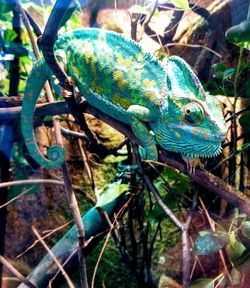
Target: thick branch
{"points": [[204, 178]]}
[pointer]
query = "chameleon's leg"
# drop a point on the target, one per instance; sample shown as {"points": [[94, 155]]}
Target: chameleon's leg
{"points": [[39, 75], [139, 115]]}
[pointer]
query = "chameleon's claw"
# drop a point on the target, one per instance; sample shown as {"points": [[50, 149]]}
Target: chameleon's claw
{"points": [[192, 163], [65, 93]]}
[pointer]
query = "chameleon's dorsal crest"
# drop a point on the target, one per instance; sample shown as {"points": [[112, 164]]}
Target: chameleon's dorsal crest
{"points": [[180, 77]]}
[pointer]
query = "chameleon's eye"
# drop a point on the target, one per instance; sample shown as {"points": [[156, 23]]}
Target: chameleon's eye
{"points": [[194, 113]]}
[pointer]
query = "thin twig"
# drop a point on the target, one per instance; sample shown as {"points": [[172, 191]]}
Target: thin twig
{"points": [[195, 46], [44, 237], [78, 221], [75, 134], [15, 272], [68, 280], [30, 182], [85, 158], [152, 188], [15, 198], [64, 263], [100, 256]]}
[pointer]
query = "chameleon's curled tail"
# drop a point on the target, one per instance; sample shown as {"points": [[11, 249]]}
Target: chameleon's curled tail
{"points": [[39, 75]]}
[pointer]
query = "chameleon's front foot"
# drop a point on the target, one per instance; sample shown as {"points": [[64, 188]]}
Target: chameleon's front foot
{"points": [[192, 163], [148, 153], [65, 93]]}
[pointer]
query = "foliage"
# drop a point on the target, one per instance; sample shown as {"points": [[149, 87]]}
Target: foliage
{"points": [[209, 242], [240, 34], [9, 48]]}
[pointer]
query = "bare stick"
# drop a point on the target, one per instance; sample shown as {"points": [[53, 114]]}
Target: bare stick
{"points": [[78, 221], [68, 280], [44, 237], [15, 272], [31, 182]]}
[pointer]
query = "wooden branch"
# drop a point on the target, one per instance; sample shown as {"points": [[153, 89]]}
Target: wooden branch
{"points": [[202, 177], [15, 272]]}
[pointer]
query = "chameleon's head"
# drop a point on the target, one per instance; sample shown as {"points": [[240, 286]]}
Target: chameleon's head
{"points": [[191, 121]]}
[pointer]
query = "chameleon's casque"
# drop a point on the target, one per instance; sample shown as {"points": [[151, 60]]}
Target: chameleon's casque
{"points": [[163, 102]]}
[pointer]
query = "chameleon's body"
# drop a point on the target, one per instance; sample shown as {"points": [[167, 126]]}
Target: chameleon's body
{"points": [[116, 76]]}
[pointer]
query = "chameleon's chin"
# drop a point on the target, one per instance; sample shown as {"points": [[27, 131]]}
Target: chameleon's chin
{"points": [[193, 160]]}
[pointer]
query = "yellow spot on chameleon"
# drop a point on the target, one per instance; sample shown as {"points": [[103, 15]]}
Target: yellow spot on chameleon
{"points": [[124, 62], [116, 98], [205, 135], [150, 95], [122, 84], [149, 83], [195, 132], [93, 69], [156, 102], [96, 88], [38, 74], [125, 103], [180, 118], [90, 57], [76, 71], [117, 75], [88, 91], [177, 135]]}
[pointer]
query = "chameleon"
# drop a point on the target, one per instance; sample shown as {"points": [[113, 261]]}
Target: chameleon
{"points": [[163, 101]]}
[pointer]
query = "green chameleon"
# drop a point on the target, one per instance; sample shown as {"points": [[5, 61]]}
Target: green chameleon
{"points": [[163, 102]]}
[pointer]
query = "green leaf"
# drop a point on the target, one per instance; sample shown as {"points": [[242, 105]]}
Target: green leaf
{"points": [[203, 283], [16, 48], [210, 242], [111, 192], [218, 70], [244, 121], [245, 228], [183, 4], [239, 33], [4, 7], [9, 35], [235, 249], [229, 72]]}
